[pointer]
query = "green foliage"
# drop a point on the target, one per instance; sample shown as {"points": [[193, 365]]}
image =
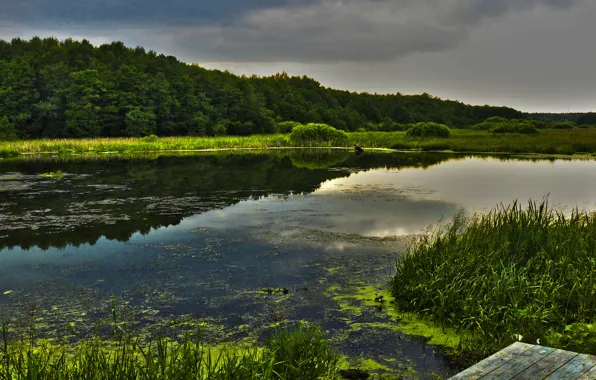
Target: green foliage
{"points": [[57, 175], [150, 138], [515, 126], [515, 270], [301, 353], [71, 89], [140, 123], [577, 337], [539, 123], [7, 130], [489, 123], [429, 130], [287, 126], [219, 129], [316, 133], [562, 125]]}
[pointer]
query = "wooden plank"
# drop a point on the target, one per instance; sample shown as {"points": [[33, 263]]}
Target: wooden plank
{"points": [[590, 375], [493, 362], [574, 368], [519, 363], [546, 366]]}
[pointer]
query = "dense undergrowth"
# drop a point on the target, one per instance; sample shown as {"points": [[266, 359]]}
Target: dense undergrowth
{"points": [[516, 271], [547, 142], [301, 352]]}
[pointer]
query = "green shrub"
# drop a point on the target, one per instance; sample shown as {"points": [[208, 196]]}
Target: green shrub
{"points": [[524, 127], [317, 133], [391, 126], [538, 123], [429, 130], [489, 123], [287, 126], [562, 125], [577, 337], [150, 138]]}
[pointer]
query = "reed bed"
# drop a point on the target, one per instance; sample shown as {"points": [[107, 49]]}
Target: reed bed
{"points": [[297, 353], [514, 273], [547, 142]]}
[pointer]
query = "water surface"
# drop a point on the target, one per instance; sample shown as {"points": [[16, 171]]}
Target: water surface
{"points": [[194, 240]]}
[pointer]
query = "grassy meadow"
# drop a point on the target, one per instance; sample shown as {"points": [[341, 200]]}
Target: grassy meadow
{"points": [[515, 273], [462, 140]]}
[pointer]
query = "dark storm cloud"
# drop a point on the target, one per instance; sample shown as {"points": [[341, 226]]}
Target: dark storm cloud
{"points": [[311, 31], [127, 12], [474, 11]]}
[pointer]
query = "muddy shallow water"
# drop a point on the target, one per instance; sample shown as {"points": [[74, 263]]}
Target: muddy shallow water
{"points": [[208, 240]]}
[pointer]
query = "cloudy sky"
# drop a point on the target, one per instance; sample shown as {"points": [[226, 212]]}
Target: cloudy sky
{"points": [[534, 55]]}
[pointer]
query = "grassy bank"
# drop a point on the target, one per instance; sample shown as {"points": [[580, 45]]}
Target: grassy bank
{"points": [[463, 140], [516, 271], [546, 142], [298, 353]]}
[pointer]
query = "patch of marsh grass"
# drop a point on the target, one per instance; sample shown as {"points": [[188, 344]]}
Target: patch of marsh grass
{"points": [[297, 353], [528, 271]]}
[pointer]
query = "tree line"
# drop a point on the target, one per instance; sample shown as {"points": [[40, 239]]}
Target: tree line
{"points": [[51, 88]]}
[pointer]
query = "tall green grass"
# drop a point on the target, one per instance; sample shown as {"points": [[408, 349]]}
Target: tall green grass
{"points": [[547, 142], [297, 353], [514, 271]]}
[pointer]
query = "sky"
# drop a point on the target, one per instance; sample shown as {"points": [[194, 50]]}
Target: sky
{"points": [[533, 55]]}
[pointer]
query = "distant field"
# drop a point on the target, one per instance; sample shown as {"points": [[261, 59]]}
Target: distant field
{"points": [[546, 142]]}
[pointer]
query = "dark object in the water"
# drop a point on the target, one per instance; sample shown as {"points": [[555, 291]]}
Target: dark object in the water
{"points": [[274, 290], [354, 374], [358, 148]]}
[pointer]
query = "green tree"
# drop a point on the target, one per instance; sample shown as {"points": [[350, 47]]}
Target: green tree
{"points": [[8, 131], [140, 123], [83, 111]]}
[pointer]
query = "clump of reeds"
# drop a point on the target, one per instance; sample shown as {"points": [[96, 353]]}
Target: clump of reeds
{"points": [[296, 353], [514, 271]]}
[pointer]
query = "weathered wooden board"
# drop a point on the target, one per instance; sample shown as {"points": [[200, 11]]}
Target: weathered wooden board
{"points": [[574, 368], [547, 365], [591, 374], [521, 361], [493, 362], [519, 364]]}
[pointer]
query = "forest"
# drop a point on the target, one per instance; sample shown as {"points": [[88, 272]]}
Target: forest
{"points": [[72, 89]]}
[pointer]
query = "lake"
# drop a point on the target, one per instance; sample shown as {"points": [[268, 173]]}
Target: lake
{"points": [[211, 240]]}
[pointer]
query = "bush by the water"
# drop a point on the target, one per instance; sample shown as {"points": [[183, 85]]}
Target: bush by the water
{"points": [[299, 353], [429, 130], [150, 138], [563, 125], [515, 126], [314, 133], [487, 124], [286, 126], [527, 271]]}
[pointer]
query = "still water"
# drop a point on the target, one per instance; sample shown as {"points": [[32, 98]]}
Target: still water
{"points": [[187, 241]]}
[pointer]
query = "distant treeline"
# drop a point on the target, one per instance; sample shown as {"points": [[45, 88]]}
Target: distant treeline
{"points": [[52, 88]]}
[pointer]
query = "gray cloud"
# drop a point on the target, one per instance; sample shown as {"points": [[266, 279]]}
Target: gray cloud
{"points": [[309, 31], [474, 11], [40, 13]]}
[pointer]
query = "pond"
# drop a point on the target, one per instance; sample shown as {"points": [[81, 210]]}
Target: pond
{"points": [[238, 243]]}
